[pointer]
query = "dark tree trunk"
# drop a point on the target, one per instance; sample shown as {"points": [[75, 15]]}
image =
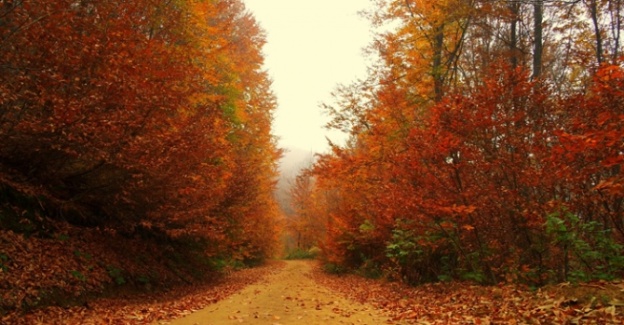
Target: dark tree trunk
{"points": [[538, 7], [593, 9], [513, 42]]}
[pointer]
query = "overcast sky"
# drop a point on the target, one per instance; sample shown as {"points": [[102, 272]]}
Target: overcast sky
{"points": [[312, 45]]}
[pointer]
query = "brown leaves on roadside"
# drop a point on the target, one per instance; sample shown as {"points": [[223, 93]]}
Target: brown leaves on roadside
{"points": [[145, 308], [465, 303]]}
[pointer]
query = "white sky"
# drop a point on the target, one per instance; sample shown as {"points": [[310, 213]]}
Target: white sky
{"points": [[312, 45]]}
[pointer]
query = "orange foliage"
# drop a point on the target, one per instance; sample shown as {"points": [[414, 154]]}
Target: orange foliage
{"points": [[488, 176], [469, 191], [141, 115]]}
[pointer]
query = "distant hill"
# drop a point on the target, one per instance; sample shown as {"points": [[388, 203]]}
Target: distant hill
{"points": [[293, 161]]}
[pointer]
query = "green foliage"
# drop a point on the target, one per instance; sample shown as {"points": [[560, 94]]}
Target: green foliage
{"points": [[475, 276], [419, 258], [370, 269], [144, 279], [406, 253], [367, 226], [226, 265], [315, 251], [334, 268], [218, 264], [236, 264], [403, 246], [78, 275], [588, 249], [116, 274], [84, 255], [302, 254], [4, 258]]}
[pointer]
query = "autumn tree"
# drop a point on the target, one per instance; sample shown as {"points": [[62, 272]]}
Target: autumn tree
{"points": [[141, 115], [459, 163], [307, 223]]}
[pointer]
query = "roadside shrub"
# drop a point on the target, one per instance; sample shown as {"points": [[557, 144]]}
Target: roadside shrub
{"points": [[301, 254], [586, 249]]}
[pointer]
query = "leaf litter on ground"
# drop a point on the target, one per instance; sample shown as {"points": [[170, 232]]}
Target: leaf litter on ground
{"points": [[468, 303], [146, 308], [599, 302]]}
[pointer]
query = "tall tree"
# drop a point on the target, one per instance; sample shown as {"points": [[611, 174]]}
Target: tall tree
{"points": [[538, 48], [143, 114], [478, 178]]}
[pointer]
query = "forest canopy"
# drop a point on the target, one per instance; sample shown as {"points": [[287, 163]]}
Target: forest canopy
{"points": [[139, 116], [486, 145]]}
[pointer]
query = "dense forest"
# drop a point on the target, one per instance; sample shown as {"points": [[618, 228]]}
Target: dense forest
{"points": [[486, 144], [136, 155], [135, 138]]}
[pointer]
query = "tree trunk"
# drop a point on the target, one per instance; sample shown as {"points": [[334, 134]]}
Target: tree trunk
{"points": [[437, 71], [593, 10], [538, 7], [616, 27], [513, 42]]}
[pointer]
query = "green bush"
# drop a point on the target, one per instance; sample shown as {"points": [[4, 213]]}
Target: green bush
{"points": [[334, 268], [315, 251], [301, 254], [116, 274], [588, 249], [370, 269], [419, 258], [4, 259], [78, 275]]}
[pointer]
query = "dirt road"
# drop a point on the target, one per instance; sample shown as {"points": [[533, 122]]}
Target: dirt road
{"points": [[287, 297]]}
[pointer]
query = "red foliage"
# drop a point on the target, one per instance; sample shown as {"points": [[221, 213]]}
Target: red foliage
{"points": [[461, 166], [147, 119], [471, 190], [139, 114]]}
